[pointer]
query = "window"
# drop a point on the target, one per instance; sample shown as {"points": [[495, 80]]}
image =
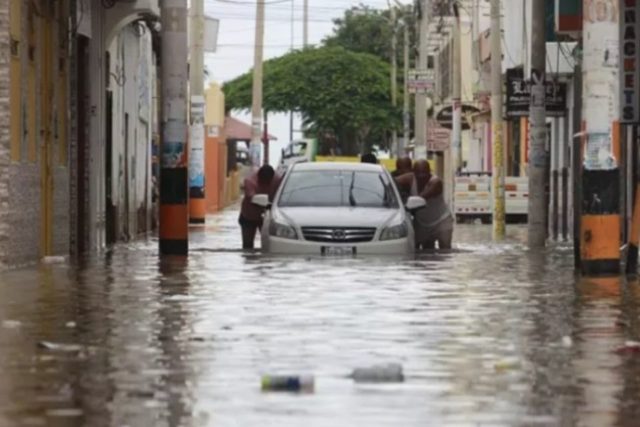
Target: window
{"points": [[334, 188]]}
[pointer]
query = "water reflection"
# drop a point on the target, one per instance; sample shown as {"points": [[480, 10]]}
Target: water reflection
{"points": [[488, 334]]}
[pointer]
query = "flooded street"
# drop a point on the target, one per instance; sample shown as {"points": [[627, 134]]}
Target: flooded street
{"points": [[487, 335]]}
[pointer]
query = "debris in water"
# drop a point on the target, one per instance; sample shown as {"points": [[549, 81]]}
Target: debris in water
{"points": [[292, 383], [629, 347], [71, 325], [66, 348], [54, 259], [389, 373], [507, 364], [11, 324], [567, 341], [70, 412]]}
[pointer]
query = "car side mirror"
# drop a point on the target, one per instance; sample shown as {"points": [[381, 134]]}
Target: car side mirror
{"points": [[261, 200], [415, 202]]}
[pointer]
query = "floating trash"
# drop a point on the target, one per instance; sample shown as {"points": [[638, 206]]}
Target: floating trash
{"points": [[389, 373], [291, 383], [11, 324], [629, 347], [67, 348], [507, 364], [54, 260]]}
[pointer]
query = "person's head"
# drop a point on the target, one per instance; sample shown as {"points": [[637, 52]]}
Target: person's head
{"points": [[403, 165], [369, 158], [422, 169], [266, 174]]}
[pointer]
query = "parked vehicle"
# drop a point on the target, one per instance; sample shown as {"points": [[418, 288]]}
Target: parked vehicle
{"points": [[338, 209], [473, 197]]}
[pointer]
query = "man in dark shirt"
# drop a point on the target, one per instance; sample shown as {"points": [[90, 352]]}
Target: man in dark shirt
{"points": [[264, 181]]}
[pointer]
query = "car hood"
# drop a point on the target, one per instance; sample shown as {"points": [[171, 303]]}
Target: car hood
{"points": [[340, 217]]}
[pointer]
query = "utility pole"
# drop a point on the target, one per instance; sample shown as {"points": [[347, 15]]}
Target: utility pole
{"points": [[256, 104], [394, 72], [174, 211], [601, 222], [420, 130], [456, 133], [293, 4], [499, 227], [406, 131], [538, 156], [305, 25], [197, 205]]}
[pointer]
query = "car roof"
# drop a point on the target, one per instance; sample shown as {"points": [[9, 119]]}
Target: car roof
{"points": [[337, 166]]}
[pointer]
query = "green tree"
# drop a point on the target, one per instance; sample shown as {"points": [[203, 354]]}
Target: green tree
{"points": [[368, 30], [343, 96]]}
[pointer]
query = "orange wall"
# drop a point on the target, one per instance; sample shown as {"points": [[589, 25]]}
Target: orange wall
{"points": [[215, 157]]}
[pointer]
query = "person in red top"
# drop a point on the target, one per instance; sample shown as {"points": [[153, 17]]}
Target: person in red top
{"points": [[264, 181]]}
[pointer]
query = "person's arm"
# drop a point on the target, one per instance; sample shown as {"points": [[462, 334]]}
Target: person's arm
{"points": [[405, 180], [433, 189]]}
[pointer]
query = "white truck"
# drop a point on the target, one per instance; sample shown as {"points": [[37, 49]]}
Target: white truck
{"points": [[473, 198]]}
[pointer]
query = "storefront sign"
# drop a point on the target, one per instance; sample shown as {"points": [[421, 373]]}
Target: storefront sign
{"points": [[629, 65], [445, 116], [421, 81], [519, 96]]}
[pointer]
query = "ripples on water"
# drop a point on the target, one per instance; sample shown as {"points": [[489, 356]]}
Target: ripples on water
{"points": [[487, 335]]}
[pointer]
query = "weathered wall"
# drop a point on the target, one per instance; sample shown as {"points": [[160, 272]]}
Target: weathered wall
{"points": [[131, 80], [32, 123]]}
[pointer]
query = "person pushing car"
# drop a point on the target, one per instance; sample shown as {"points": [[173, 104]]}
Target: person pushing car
{"points": [[264, 181]]}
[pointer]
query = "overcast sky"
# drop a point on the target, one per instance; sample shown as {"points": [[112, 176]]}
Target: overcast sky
{"points": [[236, 38]]}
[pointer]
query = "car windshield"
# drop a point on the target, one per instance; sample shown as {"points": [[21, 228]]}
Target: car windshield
{"points": [[335, 188]]}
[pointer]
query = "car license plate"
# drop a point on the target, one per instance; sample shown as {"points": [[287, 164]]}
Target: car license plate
{"points": [[338, 250]]}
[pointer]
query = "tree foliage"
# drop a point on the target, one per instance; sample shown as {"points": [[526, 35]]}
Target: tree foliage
{"points": [[368, 30], [343, 96]]}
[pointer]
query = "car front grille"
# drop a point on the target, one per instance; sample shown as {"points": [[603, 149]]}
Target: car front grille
{"points": [[338, 234]]}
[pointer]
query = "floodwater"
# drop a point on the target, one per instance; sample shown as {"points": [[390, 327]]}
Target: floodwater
{"points": [[487, 335]]}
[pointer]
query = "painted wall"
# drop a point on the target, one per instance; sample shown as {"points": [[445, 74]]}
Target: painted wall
{"points": [[131, 81]]}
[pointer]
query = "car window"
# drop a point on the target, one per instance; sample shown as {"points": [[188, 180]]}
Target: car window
{"points": [[333, 188]]}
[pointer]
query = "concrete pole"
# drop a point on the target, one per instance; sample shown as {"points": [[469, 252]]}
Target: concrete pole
{"points": [[256, 104], [174, 211], [600, 222], [293, 4], [499, 227], [405, 110], [305, 25], [420, 130], [456, 133], [394, 72], [538, 155], [197, 204]]}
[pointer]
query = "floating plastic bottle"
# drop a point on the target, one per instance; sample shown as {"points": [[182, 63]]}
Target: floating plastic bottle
{"points": [[389, 373], [291, 383]]}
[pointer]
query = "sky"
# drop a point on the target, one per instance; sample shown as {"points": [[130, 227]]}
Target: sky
{"points": [[236, 38]]}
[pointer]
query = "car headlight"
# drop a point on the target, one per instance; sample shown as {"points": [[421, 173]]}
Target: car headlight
{"points": [[284, 231], [395, 232]]}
